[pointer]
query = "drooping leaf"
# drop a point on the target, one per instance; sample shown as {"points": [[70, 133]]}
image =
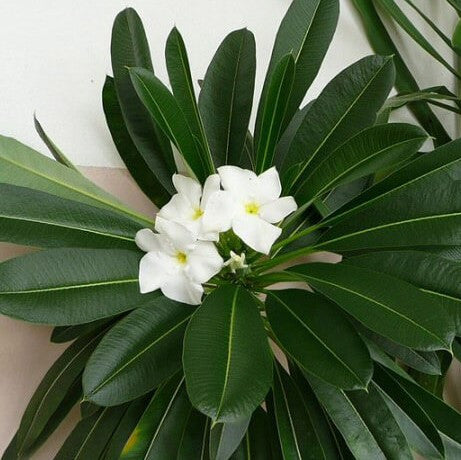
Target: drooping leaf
{"points": [[306, 326], [165, 110], [35, 218], [158, 433], [347, 105], [139, 353], [223, 380], [71, 286], [273, 112], [226, 97], [306, 32], [129, 48], [369, 151], [226, 437], [387, 305], [135, 163], [23, 167]]}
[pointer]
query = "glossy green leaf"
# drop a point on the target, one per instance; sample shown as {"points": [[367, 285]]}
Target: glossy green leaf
{"points": [[71, 286], [375, 148], [402, 20], [365, 422], [135, 163], [273, 111], [194, 440], [306, 32], [347, 105], [53, 390], [90, 436], [401, 312], [296, 432], [59, 222], [225, 438], [434, 275], [223, 380], [306, 327], [165, 110], [139, 353], [63, 334], [158, 433], [24, 167], [226, 97], [129, 48]]}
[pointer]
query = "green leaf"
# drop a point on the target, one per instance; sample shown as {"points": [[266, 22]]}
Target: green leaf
{"points": [[306, 327], [365, 422], [63, 334], [369, 151], [158, 433], [90, 436], [399, 17], [165, 110], [226, 97], [400, 311], [24, 167], [129, 48], [59, 222], [71, 286], [306, 31], [433, 274], [135, 163], [347, 105], [52, 147], [194, 440], [139, 353], [225, 438], [296, 432], [53, 390], [401, 100], [223, 380], [273, 111]]}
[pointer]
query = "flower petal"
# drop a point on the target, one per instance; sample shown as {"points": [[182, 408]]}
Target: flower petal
{"points": [[203, 262], [211, 186], [269, 186], [189, 188], [240, 182], [255, 232], [181, 238], [155, 269], [182, 289], [147, 240], [219, 211], [277, 210], [178, 209]]}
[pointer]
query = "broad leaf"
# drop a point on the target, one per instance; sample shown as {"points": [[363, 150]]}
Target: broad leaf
{"points": [[165, 110], [226, 97], [58, 222], [389, 306], [24, 167], [365, 422], [223, 380], [70, 286], [369, 151], [306, 326], [347, 105], [226, 437], [273, 111], [139, 353], [306, 32], [194, 440], [129, 48], [63, 334]]}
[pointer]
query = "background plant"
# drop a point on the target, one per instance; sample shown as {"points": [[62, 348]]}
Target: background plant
{"points": [[359, 358]]}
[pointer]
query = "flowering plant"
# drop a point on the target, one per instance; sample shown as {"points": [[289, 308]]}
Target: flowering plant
{"points": [[186, 343]]}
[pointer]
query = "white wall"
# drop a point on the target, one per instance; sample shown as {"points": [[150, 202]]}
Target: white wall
{"points": [[54, 55]]}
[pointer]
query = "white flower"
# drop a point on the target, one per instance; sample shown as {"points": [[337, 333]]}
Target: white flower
{"points": [[176, 263], [236, 262], [250, 205], [188, 206]]}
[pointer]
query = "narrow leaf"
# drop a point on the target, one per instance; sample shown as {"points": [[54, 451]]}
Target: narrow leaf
{"points": [[226, 437]]}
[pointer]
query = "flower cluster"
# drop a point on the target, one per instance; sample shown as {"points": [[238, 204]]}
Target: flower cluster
{"points": [[182, 253]]}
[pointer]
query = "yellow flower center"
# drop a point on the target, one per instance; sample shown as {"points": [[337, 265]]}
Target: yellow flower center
{"points": [[197, 214], [181, 257], [252, 208]]}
